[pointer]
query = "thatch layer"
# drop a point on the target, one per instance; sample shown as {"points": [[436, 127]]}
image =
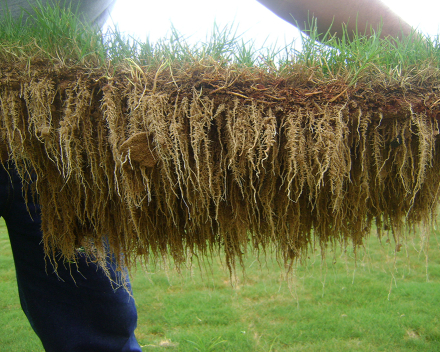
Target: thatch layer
{"points": [[149, 163]]}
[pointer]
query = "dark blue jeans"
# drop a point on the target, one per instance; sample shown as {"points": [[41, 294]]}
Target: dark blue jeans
{"points": [[76, 309]]}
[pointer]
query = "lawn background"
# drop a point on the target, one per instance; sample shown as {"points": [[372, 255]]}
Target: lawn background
{"points": [[381, 304]]}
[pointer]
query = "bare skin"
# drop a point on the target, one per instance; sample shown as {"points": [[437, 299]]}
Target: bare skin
{"points": [[336, 13]]}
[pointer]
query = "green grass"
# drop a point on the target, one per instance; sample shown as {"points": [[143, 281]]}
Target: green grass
{"points": [[16, 334], [56, 35], [384, 303]]}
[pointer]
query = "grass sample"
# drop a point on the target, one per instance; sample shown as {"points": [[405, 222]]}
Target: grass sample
{"points": [[148, 149]]}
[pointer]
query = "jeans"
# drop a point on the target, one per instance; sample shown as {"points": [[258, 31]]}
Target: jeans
{"points": [[75, 309]]}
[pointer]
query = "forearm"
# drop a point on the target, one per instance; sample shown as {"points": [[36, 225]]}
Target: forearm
{"points": [[336, 13]]}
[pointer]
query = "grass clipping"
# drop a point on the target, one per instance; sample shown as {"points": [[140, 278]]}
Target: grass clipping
{"points": [[153, 161]]}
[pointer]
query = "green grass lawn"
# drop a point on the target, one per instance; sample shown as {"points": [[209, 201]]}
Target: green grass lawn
{"points": [[381, 304]]}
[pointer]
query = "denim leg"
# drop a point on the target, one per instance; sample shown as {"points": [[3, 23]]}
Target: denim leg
{"points": [[76, 309]]}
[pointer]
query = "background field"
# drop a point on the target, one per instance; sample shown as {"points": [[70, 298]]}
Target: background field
{"points": [[379, 305]]}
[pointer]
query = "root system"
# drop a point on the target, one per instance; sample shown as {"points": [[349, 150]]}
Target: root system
{"points": [[150, 162]]}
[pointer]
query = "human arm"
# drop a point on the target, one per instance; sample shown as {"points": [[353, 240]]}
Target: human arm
{"points": [[337, 13]]}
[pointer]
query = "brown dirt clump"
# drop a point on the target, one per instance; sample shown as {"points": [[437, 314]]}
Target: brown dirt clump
{"points": [[152, 162]]}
